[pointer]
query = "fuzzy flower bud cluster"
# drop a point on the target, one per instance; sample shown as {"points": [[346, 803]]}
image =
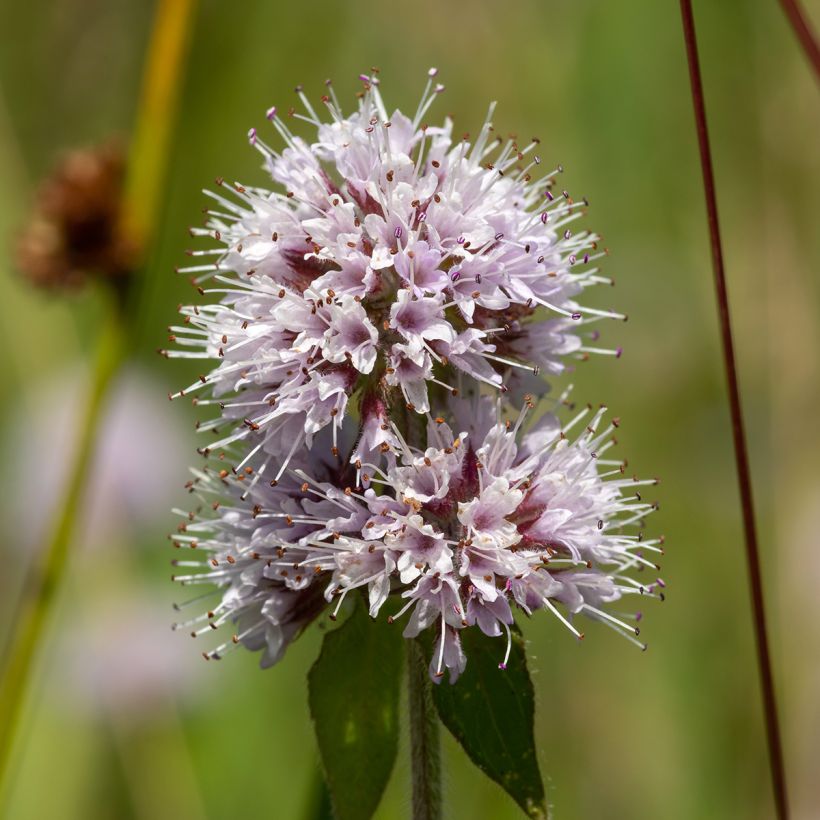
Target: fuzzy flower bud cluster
{"points": [[391, 270]]}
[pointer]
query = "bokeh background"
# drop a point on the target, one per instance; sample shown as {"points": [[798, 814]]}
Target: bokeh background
{"points": [[124, 719]]}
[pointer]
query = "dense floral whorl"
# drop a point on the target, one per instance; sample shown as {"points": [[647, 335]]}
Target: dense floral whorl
{"points": [[464, 531], [393, 255]]}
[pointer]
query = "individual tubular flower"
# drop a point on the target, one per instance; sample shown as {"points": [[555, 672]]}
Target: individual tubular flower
{"points": [[390, 254], [460, 534]]}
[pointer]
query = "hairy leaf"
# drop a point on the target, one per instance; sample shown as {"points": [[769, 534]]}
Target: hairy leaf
{"points": [[490, 712], [354, 702]]}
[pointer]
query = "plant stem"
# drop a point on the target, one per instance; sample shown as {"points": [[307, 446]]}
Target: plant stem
{"points": [[156, 118], [46, 573], [425, 729], [151, 146], [803, 32], [147, 165], [425, 741], [739, 436]]}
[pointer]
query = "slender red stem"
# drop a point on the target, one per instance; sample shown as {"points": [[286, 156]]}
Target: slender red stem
{"points": [[802, 29], [741, 453]]}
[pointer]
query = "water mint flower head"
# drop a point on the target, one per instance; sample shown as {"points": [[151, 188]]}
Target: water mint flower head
{"points": [[458, 534], [386, 252]]}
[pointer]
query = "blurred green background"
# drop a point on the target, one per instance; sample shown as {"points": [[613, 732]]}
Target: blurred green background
{"points": [[124, 719]]}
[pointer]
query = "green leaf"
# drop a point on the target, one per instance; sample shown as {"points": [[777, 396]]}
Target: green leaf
{"points": [[490, 712], [353, 689]]}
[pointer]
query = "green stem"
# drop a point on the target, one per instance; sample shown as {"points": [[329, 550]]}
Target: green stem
{"points": [[156, 118], [147, 165], [44, 577], [425, 741], [145, 194]]}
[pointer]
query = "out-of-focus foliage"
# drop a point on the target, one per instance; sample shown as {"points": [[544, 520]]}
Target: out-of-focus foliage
{"points": [[675, 732]]}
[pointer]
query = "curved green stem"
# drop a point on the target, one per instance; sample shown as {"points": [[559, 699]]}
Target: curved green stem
{"points": [[148, 160], [425, 740], [44, 577]]}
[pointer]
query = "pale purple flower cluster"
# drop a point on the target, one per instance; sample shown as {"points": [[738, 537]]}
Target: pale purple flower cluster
{"points": [[398, 271], [390, 253], [459, 533]]}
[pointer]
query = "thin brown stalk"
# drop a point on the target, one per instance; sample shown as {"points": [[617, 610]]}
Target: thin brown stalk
{"points": [[803, 32], [738, 434]]}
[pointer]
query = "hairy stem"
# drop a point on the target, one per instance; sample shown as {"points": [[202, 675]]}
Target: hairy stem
{"points": [[744, 477], [46, 573], [425, 729], [425, 741]]}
